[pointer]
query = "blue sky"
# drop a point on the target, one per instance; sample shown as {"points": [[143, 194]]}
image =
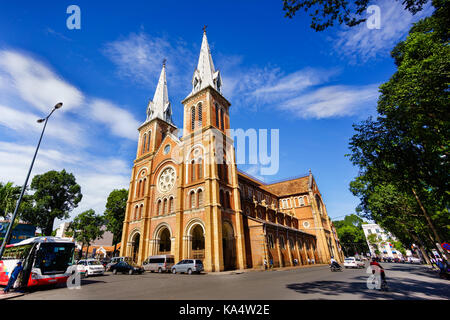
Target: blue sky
{"points": [[277, 73]]}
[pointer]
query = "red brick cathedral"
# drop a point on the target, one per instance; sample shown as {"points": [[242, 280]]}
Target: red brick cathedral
{"points": [[187, 197]]}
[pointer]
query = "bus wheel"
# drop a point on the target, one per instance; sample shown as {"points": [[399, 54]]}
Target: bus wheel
{"points": [[159, 270]]}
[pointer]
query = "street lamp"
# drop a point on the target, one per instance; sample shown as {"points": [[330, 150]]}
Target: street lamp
{"points": [[8, 232]]}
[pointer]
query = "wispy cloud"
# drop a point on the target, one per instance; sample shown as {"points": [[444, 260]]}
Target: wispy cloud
{"points": [[120, 121], [36, 83], [333, 101], [360, 44], [139, 57]]}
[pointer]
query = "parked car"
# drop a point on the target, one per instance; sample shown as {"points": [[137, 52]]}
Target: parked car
{"points": [[90, 267], [188, 266], [414, 260], [161, 263], [352, 262], [116, 260], [126, 267]]}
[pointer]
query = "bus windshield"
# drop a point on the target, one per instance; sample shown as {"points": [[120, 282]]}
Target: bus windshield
{"points": [[54, 258]]}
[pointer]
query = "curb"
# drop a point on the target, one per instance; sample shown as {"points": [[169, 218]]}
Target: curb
{"points": [[263, 270], [11, 295]]}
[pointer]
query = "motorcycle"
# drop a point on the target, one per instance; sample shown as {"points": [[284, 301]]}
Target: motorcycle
{"points": [[335, 268]]}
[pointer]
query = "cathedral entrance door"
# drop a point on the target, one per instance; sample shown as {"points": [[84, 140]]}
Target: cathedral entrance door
{"points": [[228, 246], [135, 247]]}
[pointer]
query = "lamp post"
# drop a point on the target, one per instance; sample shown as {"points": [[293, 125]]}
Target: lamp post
{"points": [[8, 232]]}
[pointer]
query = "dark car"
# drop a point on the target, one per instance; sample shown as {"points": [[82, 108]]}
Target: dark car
{"points": [[126, 267], [105, 262]]}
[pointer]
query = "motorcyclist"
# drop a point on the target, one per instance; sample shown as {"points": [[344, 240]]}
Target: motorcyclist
{"points": [[382, 273], [334, 263]]}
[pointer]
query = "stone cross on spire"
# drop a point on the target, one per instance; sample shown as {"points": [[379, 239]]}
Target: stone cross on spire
{"points": [[160, 106]]}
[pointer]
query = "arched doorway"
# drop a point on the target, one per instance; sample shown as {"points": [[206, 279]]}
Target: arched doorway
{"points": [[198, 242], [135, 247], [228, 246], [165, 242]]}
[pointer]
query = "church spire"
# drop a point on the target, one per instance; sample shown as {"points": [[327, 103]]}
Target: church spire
{"points": [[205, 74], [160, 106]]}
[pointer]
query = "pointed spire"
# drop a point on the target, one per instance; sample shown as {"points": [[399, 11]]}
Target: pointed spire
{"points": [[160, 106], [205, 74]]}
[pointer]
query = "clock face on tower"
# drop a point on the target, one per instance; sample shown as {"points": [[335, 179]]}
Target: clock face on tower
{"points": [[166, 179]]}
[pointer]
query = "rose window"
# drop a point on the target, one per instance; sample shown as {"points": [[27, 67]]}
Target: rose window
{"points": [[166, 180]]}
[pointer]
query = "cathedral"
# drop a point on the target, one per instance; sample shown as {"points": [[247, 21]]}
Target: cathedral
{"points": [[187, 197]]}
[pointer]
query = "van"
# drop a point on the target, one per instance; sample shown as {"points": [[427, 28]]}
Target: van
{"points": [[188, 266], [161, 263]]}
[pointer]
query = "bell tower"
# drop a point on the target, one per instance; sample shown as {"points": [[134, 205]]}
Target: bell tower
{"points": [[206, 123]]}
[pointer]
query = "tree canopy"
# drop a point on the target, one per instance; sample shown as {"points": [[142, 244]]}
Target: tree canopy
{"points": [[55, 195], [325, 13], [115, 213], [403, 154], [351, 235]]}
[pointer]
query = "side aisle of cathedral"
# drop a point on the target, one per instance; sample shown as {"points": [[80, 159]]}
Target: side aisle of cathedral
{"points": [[187, 197]]}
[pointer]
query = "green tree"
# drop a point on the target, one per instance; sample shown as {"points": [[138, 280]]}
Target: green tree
{"points": [[115, 213], [86, 227], [56, 194], [8, 198], [325, 12], [404, 152], [351, 235]]}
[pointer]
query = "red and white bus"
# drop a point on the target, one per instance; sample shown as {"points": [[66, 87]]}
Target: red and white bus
{"points": [[45, 261]]}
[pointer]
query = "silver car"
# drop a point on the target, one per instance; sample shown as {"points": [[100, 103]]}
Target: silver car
{"points": [[188, 266]]}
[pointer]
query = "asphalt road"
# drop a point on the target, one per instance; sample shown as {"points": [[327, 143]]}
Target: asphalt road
{"points": [[318, 282]]}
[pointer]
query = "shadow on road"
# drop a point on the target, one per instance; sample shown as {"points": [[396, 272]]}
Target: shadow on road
{"points": [[404, 289]]}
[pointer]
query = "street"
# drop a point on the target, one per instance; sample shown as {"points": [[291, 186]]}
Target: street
{"points": [[405, 281]]}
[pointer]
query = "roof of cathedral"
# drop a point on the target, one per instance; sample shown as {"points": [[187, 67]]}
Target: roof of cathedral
{"points": [[288, 187], [160, 106], [282, 188], [205, 75]]}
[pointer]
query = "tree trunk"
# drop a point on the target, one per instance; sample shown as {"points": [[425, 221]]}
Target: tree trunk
{"points": [[115, 246], [430, 223], [421, 248], [49, 228]]}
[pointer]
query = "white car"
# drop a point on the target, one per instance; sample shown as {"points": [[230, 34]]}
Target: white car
{"points": [[414, 260], [352, 262], [91, 267]]}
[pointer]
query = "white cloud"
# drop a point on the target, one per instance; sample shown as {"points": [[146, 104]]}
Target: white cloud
{"points": [[333, 101], [139, 57], [121, 122], [36, 83], [97, 176], [24, 122], [361, 44]]}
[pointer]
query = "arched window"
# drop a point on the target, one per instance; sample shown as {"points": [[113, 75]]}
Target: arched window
{"points": [[282, 245], [144, 139], [193, 170], [192, 199], [200, 198], [171, 207], [143, 187], [200, 168], [225, 171], [138, 193], [159, 207], [136, 212], [217, 115], [222, 200], [148, 140], [200, 115], [165, 206], [221, 118], [227, 200], [219, 171], [192, 118], [140, 211], [319, 204]]}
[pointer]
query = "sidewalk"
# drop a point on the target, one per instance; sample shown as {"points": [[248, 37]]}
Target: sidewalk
{"points": [[10, 295], [268, 270]]}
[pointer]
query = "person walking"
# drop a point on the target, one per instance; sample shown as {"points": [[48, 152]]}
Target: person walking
{"points": [[265, 264], [271, 263], [14, 275]]}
